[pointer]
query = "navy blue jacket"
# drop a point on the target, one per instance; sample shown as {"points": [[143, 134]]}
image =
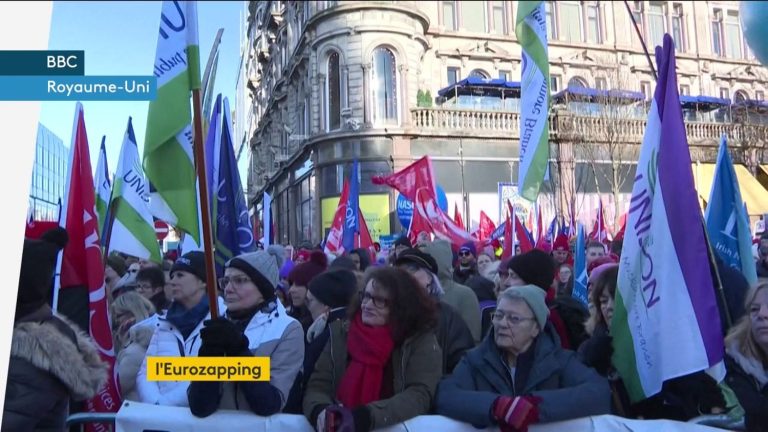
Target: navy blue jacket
{"points": [[568, 389]]}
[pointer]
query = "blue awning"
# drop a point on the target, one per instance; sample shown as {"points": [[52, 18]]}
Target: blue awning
{"points": [[481, 86], [757, 104], [587, 94], [703, 103]]}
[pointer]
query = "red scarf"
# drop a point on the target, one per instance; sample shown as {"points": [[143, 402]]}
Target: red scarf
{"points": [[369, 349]]}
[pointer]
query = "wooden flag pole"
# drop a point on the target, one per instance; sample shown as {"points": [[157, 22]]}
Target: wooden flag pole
{"points": [[200, 168]]}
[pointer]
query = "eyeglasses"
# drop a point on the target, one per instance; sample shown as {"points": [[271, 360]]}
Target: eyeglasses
{"points": [[510, 319], [465, 253], [143, 287], [237, 281], [379, 302]]}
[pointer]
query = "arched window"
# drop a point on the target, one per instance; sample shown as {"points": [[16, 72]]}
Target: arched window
{"points": [[479, 73], [740, 97], [384, 86], [577, 82], [333, 92]]}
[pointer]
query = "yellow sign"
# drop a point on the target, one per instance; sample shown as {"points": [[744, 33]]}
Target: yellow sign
{"points": [[207, 368], [375, 210]]}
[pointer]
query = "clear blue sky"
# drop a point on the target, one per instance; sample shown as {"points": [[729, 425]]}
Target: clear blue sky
{"points": [[119, 38]]}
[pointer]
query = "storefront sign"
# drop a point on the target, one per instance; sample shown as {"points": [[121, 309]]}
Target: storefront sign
{"points": [[375, 209]]}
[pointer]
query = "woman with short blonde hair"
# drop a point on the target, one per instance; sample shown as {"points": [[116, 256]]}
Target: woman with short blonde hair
{"points": [[127, 310]]}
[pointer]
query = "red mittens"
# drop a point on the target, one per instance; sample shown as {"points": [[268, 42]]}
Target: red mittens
{"points": [[515, 414]]}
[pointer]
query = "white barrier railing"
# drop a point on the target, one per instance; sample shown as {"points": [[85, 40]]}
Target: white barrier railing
{"points": [[138, 417]]}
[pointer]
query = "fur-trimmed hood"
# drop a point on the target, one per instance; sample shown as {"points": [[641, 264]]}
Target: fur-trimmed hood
{"points": [[750, 366], [78, 366]]}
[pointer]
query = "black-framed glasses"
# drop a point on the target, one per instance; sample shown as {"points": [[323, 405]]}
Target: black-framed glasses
{"points": [[512, 320], [465, 253], [379, 302], [144, 287], [236, 281]]}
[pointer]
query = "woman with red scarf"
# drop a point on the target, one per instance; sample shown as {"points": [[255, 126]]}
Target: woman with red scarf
{"points": [[379, 367]]}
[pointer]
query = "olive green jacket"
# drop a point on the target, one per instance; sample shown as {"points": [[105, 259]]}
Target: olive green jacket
{"points": [[416, 370]]}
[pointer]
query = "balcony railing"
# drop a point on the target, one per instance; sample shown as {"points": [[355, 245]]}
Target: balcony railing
{"points": [[570, 126]]}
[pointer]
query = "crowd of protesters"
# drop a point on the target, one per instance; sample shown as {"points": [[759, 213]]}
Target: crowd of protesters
{"points": [[367, 340]]}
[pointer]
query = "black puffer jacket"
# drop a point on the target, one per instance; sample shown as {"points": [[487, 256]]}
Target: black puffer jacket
{"points": [[51, 362], [749, 380]]}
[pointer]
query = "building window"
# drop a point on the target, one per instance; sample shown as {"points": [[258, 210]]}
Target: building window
{"points": [[759, 95], [477, 73], [594, 35], [678, 27], [601, 83], [454, 75], [449, 15], [473, 16], [550, 11], [656, 28], [499, 17], [740, 97], [638, 14], [685, 90], [717, 32], [570, 21], [733, 36], [725, 93], [645, 88], [577, 82], [554, 83], [334, 92], [384, 86], [504, 75]]}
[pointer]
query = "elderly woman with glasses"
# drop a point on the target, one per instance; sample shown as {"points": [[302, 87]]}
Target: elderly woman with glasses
{"points": [[255, 324], [378, 367], [520, 375]]}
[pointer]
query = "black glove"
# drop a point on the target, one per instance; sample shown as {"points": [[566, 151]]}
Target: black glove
{"points": [[225, 334], [694, 394], [342, 419], [211, 350]]}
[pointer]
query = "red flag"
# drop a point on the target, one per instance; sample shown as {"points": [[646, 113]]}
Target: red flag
{"points": [[411, 179], [427, 216], [457, 216], [487, 227], [333, 241], [599, 230], [509, 243], [519, 231], [84, 266], [623, 223], [541, 239], [363, 239], [36, 229]]}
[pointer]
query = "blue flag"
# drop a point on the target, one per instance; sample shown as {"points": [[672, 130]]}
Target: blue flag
{"points": [[233, 228], [580, 268], [727, 220], [351, 222], [552, 231]]}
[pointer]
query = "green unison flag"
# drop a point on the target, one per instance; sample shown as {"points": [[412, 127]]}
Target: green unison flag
{"points": [[133, 230], [168, 149], [103, 189], [531, 31]]}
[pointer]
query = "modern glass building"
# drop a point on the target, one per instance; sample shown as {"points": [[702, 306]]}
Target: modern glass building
{"points": [[49, 175]]}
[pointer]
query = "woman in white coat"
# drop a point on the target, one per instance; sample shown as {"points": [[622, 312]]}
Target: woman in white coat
{"points": [[177, 332]]}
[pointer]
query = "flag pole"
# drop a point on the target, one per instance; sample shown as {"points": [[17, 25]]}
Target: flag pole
{"points": [[642, 41], [108, 229], [207, 240]]}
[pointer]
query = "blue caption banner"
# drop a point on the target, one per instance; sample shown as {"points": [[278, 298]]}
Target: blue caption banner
{"points": [[83, 88], [45, 63]]}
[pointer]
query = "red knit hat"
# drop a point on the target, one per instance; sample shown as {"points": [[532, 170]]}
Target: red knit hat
{"points": [[561, 244], [303, 273]]}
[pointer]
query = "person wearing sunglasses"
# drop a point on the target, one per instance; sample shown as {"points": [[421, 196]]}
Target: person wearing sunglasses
{"points": [[378, 368], [762, 261], [519, 375], [467, 265]]}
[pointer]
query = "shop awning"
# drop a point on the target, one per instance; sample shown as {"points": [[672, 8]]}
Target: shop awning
{"points": [[752, 192], [703, 103], [475, 85]]}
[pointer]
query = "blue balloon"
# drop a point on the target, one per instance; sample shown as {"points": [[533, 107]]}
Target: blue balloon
{"points": [[405, 207], [754, 22]]}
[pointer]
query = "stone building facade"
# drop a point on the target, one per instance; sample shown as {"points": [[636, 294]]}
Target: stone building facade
{"points": [[323, 83]]}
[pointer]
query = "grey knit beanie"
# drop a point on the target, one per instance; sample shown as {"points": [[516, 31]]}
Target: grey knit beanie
{"points": [[533, 296], [262, 267]]}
